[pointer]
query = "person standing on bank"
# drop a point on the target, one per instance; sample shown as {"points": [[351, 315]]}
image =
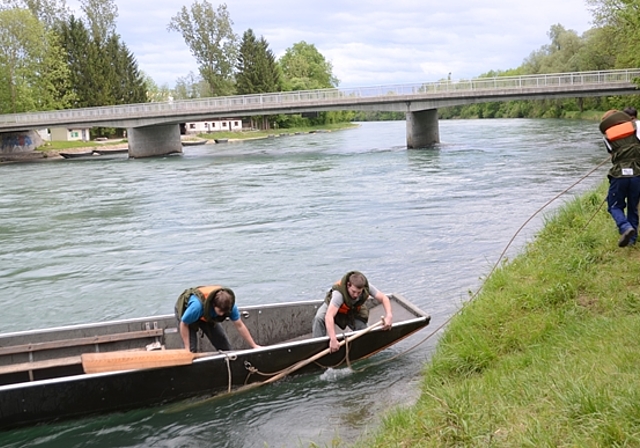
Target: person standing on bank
{"points": [[205, 307], [344, 306], [621, 141]]}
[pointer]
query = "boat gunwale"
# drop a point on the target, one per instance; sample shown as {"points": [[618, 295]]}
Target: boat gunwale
{"points": [[134, 320], [400, 299]]}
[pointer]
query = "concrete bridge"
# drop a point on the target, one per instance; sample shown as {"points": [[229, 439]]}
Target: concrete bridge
{"points": [[153, 128]]}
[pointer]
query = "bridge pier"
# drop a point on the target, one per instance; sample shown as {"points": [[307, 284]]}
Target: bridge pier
{"points": [[422, 128], [157, 140]]}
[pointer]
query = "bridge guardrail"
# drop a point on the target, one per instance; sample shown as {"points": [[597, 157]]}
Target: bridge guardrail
{"points": [[239, 102]]}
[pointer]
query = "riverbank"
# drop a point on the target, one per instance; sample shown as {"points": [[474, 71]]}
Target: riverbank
{"points": [[53, 150], [546, 355]]}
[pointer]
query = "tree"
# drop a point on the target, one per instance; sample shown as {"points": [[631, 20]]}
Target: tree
{"points": [[122, 73], [190, 87], [305, 68], [562, 55], [49, 12], [33, 75], [81, 56], [102, 72], [596, 52], [210, 37], [257, 69], [155, 93], [257, 72], [623, 18], [101, 18], [53, 89]]}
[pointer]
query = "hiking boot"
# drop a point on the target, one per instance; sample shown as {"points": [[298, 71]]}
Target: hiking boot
{"points": [[626, 237]]}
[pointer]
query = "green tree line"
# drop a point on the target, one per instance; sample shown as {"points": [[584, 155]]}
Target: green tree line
{"points": [[49, 59]]}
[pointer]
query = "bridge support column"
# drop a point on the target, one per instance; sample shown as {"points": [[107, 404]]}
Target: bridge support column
{"points": [[150, 141], [422, 128]]}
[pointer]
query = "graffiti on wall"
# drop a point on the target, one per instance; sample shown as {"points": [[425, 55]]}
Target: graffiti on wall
{"points": [[16, 142]]}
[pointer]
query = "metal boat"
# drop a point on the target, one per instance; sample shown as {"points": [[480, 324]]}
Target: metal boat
{"points": [[43, 377]]}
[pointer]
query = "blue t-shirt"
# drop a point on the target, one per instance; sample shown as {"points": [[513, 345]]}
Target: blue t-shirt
{"points": [[195, 311]]}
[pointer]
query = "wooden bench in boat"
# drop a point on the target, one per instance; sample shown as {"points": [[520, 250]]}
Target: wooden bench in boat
{"points": [[66, 343], [36, 365]]}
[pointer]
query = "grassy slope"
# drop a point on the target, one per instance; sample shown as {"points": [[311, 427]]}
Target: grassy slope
{"points": [[547, 355]]}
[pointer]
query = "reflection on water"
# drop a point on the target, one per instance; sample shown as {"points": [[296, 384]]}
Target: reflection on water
{"points": [[277, 220]]}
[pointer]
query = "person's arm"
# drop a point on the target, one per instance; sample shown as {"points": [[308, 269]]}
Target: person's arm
{"points": [[184, 333], [244, 332], [386, 303], [329, 321], [234, 316], [191, 314]]}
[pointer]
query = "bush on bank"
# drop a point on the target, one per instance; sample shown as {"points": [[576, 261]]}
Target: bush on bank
{"points": [[546, 355]]}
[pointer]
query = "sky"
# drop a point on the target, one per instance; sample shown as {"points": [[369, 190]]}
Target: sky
{"points": [[368, 42]]}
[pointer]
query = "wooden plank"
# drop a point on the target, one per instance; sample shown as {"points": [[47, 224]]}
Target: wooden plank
{"points": [[62, 343], [125, 360], [36, 365]]}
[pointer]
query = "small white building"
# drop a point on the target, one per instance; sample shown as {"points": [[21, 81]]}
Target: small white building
{"points": [[67, 135], [44, 134], [217, 125]]}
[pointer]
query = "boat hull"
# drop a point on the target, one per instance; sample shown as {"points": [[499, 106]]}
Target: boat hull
{"points": [[76, 394]]}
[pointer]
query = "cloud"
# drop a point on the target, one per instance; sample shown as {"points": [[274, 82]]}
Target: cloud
{"points": [[368, 43]]}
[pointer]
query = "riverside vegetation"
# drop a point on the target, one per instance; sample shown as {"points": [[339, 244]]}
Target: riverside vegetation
{"points": [[546, 355]]}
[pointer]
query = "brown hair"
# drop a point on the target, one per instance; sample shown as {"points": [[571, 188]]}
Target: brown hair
{"points": [[223, 300], [358, 280]]}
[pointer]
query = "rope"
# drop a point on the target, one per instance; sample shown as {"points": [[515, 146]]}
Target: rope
{"points": [[227, 358], [292, 368], [253, 370], [497, 263]]}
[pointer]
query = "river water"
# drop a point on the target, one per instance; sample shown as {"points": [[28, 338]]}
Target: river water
{"points": [[277, 220]]}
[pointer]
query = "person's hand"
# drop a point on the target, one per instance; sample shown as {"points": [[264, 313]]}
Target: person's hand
{"points": [[334, 345], [386, 322]]}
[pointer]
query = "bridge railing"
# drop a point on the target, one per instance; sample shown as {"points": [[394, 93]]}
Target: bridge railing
{"points": [[236, 104]]}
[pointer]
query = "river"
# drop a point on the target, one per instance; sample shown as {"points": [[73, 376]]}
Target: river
{"points": [[277, 220]]}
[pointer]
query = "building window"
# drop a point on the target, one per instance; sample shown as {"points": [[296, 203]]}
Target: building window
{"points": [[192, 125], [74, 134]]}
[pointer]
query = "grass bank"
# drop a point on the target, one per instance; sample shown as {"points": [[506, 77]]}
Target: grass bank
{"points": [[547, 355], [57, 146], [593, 115]]}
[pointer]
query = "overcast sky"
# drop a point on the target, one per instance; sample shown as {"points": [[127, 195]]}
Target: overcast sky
{"points": [[369, 42]]}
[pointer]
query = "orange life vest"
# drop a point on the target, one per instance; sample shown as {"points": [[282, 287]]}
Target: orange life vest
{"points": [[619, 131]]}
